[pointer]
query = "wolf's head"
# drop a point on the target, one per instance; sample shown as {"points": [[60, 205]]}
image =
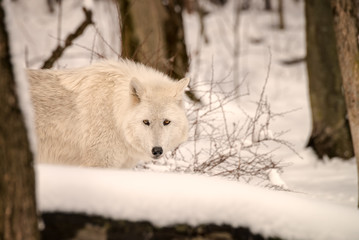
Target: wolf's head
{"points": [[156, 122]]}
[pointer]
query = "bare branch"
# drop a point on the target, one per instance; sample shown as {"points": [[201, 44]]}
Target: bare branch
{"points": [[57, 53], [235, 144]]}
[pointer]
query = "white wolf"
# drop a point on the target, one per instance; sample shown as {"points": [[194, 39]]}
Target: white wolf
{"points": [[110, 114]]}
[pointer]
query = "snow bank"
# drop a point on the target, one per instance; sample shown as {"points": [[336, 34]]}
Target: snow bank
{"points": [[165, 199]]}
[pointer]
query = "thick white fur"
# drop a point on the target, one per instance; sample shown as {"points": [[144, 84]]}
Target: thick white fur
{"points": [[93, 116]]}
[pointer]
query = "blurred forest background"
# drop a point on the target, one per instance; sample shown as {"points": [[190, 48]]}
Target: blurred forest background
{"points": [[153, 32]]}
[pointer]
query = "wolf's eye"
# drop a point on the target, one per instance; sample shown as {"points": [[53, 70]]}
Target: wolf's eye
{"points": [[146, 122], [166, 122]]}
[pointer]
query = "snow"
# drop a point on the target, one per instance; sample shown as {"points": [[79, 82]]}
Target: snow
{"points": [[22, 88], [39, 31], [275, 179], [287, 90], [169, 198], [88, 4], [322, 197], [334, 180]]}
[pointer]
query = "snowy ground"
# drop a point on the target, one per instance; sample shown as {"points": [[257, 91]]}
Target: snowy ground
{"points": [[321, 190], [334, 180]]}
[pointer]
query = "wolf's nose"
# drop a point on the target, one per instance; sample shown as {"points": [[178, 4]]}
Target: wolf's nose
{"points": [[157, 151]]}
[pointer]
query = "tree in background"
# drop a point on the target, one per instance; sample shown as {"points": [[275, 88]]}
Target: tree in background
{"points": [[268, 5], [153, 33], [346, 24], [18, 219], [281, 14], [330, 129]]}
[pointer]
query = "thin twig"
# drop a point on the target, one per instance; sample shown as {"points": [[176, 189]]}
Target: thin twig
{"points": [[57, 53]]}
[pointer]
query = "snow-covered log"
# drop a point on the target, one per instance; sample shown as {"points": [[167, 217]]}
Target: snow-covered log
{"points": [[168, 199]]}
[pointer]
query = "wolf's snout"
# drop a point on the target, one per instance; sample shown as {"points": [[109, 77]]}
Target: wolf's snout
{"points": [[157, 151]]}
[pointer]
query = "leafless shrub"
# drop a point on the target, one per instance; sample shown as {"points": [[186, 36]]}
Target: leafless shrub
{"points": [[227, 140]]}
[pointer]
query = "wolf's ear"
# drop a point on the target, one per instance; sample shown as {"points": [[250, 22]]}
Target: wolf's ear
{"points": [[181, 86], [136, 89]]}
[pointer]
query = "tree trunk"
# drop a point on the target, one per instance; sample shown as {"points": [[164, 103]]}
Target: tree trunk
{"points": [[330, 129], [346, 30], [281, 14], [18, 220], [153, 33], [267, 5]]}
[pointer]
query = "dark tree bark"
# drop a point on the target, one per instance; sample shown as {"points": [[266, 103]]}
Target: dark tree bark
{"points": [[330, 129], [346, 30], [268, 5], [153, 33], [18, 220], [60, 226], [281, 14]]}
